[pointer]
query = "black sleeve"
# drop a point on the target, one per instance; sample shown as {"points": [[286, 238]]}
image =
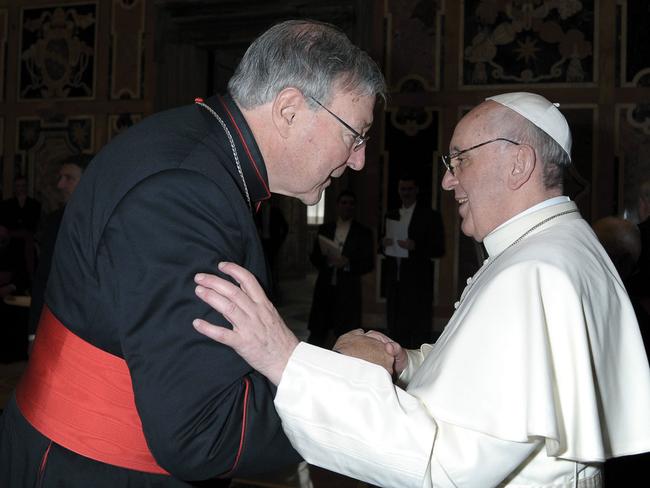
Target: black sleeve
{"points": [[204, 411]]}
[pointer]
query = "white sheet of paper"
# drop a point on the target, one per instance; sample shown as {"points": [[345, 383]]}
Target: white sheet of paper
{"points": [[396, 230], [328, 247]]}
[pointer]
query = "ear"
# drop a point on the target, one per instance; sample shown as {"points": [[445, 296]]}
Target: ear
{"points": [[286, 106], [522, 167]]}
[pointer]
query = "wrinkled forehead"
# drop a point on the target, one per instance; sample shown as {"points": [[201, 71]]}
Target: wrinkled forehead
{"points": [[485, 121]]}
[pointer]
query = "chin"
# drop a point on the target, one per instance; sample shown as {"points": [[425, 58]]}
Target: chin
{"points": [[311, 198]]}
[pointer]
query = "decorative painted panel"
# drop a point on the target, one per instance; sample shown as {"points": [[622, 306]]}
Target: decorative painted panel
{"points": [[127, 57], [634, 62], [118, 123], [413, 33], [528, 41], [42, 144], [633, 154], [3, 50], [57, 52]]}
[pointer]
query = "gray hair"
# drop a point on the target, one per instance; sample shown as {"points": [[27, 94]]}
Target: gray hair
{"points": [[554, 159], [311, 56]]}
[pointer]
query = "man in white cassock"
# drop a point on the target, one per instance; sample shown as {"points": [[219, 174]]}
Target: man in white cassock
{"points": [[540, 374]]}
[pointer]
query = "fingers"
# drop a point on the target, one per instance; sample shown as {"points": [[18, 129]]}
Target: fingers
{"points": [[246, 280], [379, 336], [216, 333], [224, 297]]}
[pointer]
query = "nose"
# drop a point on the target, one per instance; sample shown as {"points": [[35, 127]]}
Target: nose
{"points": [[449, 181], [357, 159], [60, 183]]}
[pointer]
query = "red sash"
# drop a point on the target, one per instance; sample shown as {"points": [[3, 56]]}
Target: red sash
{"points": [[82, 398]]}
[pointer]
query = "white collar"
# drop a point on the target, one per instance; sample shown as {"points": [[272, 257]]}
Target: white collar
{"points": [[507, 233]]}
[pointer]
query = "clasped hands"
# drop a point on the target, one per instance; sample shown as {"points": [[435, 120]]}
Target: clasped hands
{"points": [[408, 244], [260, 336], [374, 347]]}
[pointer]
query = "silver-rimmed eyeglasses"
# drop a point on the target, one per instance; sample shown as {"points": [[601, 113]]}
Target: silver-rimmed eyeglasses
{"points": [[447, 158], [359, 139]]}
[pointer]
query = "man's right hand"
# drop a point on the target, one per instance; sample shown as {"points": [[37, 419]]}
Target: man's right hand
{"points": [[400, 358], [356, 344]]}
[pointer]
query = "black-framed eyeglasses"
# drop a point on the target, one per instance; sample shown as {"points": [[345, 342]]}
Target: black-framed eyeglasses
{"points": [[447, 158], [359, 139]]}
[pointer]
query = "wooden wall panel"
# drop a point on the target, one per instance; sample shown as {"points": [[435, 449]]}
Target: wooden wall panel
{"points": [[634, 37], [127, 59], [3, 47], [413, 27]]}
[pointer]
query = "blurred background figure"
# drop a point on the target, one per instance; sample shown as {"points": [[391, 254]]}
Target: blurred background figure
{"points": [[19, 217], [644, 228], [13, 323], [20, 214], [343, 252], [622, 242], [409, 267], [70, 173]]}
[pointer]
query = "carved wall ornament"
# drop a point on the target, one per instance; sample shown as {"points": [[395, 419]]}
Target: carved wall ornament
{"points": [[118, 123], [411, 120], [528, 41], [58, 52]]}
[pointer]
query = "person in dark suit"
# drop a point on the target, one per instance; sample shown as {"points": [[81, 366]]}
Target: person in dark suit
{"points": [[644, 228], [337, 302], [409, 280], [120, 390], [70, 174], [621, 239], [20, 215]]}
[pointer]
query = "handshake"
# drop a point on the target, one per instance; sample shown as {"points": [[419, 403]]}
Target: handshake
{"points": [[374, 347], [260, 336]]}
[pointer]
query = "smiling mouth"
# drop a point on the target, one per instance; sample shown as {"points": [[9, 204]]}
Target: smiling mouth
{"points": [[460, 201]]}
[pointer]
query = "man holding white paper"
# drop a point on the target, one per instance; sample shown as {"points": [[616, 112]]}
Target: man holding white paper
{"points": [[414, 235], [343, 252]]}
